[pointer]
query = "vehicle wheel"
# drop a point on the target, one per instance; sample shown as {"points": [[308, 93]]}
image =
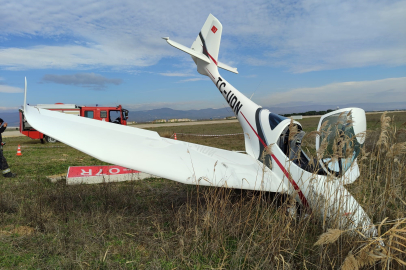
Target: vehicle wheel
{"points": [[50, 139]]}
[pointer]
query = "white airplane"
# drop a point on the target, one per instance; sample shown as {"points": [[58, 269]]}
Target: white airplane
{"points": [[274, 162]]}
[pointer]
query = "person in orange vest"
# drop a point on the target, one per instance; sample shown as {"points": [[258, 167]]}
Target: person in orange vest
{"points": [[3, 162]]}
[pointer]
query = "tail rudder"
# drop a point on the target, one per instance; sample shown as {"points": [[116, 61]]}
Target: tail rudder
{"points": [[205, 49], [209, 38]]}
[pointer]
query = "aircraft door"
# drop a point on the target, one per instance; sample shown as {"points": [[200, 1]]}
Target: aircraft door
{"points": [[342, 134]]}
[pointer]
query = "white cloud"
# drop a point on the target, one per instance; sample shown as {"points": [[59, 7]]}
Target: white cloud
{"points": [[180, 74], [300, 35], [252, 61], [379, 91], [181, 105], [193, 80], [341, 34], [175, 74], [10, 89], [91, 80], [8, 108], [251, 76], [71, 57]]}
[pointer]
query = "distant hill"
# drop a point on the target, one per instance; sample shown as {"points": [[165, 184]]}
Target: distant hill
{"points": [[166, 113], [12, 118]]}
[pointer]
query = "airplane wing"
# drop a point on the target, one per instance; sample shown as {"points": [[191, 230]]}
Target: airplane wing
{"points": [[146, 151]]}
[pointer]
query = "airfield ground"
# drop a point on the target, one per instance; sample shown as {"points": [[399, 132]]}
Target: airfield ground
{"points": [[14, 132], [160, 224]]}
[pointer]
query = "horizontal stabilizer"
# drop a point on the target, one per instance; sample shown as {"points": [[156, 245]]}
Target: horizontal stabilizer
{"points": [[227, 67], [188, 50], [199, 55]]}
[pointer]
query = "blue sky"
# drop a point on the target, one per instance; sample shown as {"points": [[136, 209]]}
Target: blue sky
{"points": [[287, 52]]}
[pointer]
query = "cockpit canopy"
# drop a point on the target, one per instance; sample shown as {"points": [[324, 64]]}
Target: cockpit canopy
{"points": [[338, 141], [341, 136]]}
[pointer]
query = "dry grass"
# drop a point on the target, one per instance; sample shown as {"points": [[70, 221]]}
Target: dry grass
{"points": [[329, 237], [160, 224]]}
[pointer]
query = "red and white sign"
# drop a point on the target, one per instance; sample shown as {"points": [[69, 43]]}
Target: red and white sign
{"points": [[86, 171], [214, 29]]}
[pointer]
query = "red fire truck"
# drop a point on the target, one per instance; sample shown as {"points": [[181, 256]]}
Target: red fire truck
{"points": [[116, 115]]}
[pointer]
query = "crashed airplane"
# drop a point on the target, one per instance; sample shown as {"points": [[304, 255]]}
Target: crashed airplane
{"points": [[273, 161]]}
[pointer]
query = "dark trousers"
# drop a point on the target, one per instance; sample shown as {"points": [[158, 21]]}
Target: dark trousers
{"points": [[3, 163]]}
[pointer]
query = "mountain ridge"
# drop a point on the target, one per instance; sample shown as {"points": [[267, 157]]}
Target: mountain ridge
{"points": [[12, 118]]}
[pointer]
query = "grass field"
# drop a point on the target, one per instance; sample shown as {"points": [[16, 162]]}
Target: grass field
{"points": [[161, 224]]}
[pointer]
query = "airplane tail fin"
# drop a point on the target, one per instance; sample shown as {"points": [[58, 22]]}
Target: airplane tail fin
{"points": [[205, 49], [208, 40]]}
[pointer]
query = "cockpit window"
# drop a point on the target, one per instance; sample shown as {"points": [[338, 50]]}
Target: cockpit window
{"points": [[338, 139], [275, 119], [291, 146]]}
